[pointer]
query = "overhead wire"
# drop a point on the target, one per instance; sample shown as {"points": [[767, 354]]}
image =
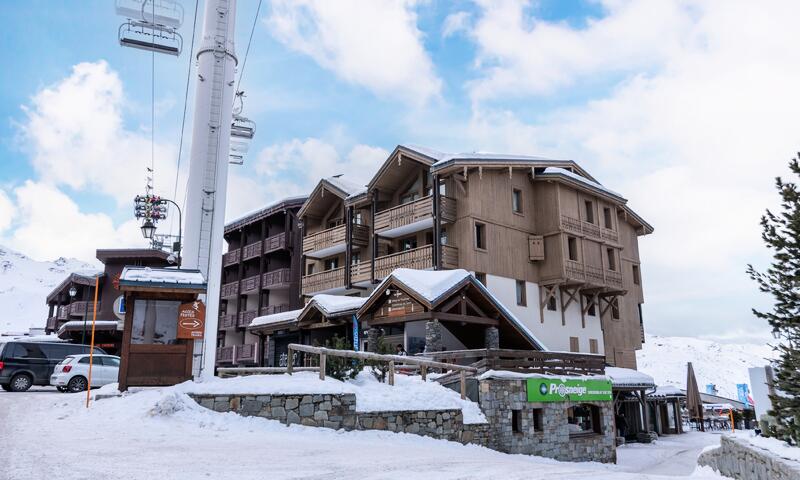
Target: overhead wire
{"points": [[247, 50]]}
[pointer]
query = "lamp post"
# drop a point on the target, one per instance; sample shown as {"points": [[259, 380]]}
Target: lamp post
{"points": [[148, 229], [152, 209]]}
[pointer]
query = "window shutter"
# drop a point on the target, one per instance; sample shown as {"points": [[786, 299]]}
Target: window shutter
{"points": [[536, 248]]}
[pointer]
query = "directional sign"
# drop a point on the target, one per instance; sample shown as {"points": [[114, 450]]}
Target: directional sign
{"points": [[191, 320]]}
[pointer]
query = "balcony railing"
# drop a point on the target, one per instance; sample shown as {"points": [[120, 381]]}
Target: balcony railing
{"points": [[271, 309], [276, 279], [274, 243], [418, 258], [330, 238], [360, 272], [578, 227], [245, 318], [52, 323], [577, 271], [246, 353], [63, 312], [225, 354], [251, 251], [227, 321], [413, 212], [81, 308], [229, 290], [230, 258], [251, 285], [321, 281]]}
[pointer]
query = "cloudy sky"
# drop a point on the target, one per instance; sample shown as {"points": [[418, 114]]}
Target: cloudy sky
{"points": [[688, 108]]}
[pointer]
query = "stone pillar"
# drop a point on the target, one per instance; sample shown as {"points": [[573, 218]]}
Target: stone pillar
{"points": [[492, 337], [372, 339], [433, 336]]}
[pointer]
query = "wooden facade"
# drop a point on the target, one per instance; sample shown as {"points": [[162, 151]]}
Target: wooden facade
{"points": [[260, 276]]}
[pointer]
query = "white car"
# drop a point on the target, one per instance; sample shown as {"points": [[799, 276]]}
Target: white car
{"points": [[72, 374]]}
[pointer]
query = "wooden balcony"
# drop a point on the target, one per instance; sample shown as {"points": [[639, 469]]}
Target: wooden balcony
{"points": [[276, 279], [229, 290], [244, 318], [81, 308], [246, 353], [227, 321], [251, 285], [413, 216], [360, 272], [333, 240], [596, 276], [275, 243], [271, 309], [578, 227], [63, 312], [322, 281], [225, 355], [251, 251], [230, 258], [52, 323], [418, 259]]}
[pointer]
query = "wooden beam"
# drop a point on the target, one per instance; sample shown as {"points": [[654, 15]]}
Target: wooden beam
{"points": [[475, 307], [414, 317], [471, 319]]}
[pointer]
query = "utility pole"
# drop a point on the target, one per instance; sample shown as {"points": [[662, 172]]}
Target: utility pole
{"points": [[208, 166]]}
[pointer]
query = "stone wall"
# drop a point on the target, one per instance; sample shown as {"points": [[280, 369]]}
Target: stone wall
{"points": [[736, 458], [338, 411], [498, 398]]}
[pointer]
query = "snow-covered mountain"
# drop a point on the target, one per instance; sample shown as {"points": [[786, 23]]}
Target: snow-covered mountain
{"points": [[723, 364], [24, 285]]}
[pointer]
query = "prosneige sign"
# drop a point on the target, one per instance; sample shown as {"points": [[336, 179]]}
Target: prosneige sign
{"points": [[556, 390]]}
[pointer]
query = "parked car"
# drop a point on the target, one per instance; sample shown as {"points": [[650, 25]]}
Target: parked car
{"points": [[72, 374], [24, 363]]}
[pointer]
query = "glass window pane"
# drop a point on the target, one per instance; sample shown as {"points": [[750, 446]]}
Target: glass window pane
{"points": [[155, 322]]}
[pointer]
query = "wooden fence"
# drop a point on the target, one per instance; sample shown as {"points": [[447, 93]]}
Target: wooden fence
{"points": [[526, 361]]}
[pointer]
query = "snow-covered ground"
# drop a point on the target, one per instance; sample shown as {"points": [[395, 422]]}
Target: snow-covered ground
{"points": [[24, 285], [157, 433], [723, 364], [772, 445]]}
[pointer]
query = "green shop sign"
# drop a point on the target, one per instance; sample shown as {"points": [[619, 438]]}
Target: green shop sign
{"points": [[554, 390]]}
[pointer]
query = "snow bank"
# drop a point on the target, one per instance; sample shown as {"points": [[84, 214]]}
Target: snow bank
{"points": [[771, 445]]}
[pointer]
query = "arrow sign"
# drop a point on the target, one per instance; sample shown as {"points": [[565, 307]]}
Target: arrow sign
{"points": [[191, 320]]}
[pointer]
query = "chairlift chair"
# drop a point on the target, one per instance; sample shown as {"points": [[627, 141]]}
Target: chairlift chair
{"points": [[242, 132], [150, 37], [167, 13]]}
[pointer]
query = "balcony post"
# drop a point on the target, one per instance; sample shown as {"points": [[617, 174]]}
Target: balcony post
{"points": [[437, 226], [241, 272], [348, 245], [373, 236], [261, 266]]}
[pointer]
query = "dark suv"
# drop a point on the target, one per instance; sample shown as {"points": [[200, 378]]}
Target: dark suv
{"points": [[23, 364]]}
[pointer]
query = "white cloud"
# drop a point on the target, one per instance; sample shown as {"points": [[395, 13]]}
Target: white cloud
{"points": [[7, 213], [455, 23], [51, 225], [372, 43], [75, 135]]}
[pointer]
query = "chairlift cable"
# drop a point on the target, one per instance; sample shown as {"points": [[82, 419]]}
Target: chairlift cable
{"points": [[153, 99], [247, 50]]}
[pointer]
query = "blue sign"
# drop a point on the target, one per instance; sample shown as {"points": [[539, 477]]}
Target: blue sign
{"points": [[711, 389], [355, 333], [741, 391]]}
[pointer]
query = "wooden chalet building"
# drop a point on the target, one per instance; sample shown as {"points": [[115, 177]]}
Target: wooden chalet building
{"points": [[260, 276], [555, 246], [71, 317]]}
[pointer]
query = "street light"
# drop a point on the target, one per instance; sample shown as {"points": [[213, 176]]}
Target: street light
{"points": [[148, 229], [73, 291]]}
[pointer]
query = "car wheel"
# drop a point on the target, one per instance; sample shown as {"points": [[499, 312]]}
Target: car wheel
{"points": [[6, 387], [76, 384], [20, 382]]}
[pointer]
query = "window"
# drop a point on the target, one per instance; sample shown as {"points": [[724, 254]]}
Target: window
{"points": [[551, 304], [480, 236], [412, 193], [537, 419], [593, 346], [443, 237], [516, 421], [310, 269], [355, 258], [332, 263], [591, 309], [155, 322], [574, 344], [572, 248], [358, 219], [110, 361], [26, 350], [607, 218], [516, 200], [612, 260], [583, 419], [615, 309], [637, 279], [589, 211], [481, 277], [521, 300], [334, 222], [85, 361], [409, 243]]}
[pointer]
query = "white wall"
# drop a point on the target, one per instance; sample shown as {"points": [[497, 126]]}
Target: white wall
{"points": [[551, 332]]}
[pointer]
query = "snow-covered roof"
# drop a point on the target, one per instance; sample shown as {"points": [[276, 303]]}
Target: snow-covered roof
{"points": [[442, 158], [507, 375], [433, 284], [667, 391], [352, 189], [149, 276], [256, 212], [627, 377], [556, 171], [280, 317], [99, 325]]}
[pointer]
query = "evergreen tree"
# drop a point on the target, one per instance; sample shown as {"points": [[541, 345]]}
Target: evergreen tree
{"points": [[781, 233]]}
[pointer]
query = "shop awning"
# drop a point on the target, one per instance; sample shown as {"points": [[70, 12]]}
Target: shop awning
{"points": [[628, 378]]}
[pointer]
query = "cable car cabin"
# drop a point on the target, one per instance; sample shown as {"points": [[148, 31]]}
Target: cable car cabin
{"points": [[167, 13], [163, 318], [150, 37]]}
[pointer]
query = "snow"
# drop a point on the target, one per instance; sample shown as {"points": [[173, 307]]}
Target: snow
{"points": [[667, 391], [161, 433], [24, 285], [723, 364], [442, 157], [506, 375], [276, 318], [332, 304], [33, 338], [774, 446], [162, 275], [263, 209], [408, 392], [581, 179], [626, 377], [350, 188], [88, 323]]}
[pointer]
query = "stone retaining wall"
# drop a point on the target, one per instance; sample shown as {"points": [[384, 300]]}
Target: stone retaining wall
{"points": [[738, 459]]}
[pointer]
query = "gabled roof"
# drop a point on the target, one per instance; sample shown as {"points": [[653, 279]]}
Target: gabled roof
{"points": [[339, 186], [265, 211], [134, 278], [432, 287], [328, 305], [418, 156], [81, 277], [106, 254]]}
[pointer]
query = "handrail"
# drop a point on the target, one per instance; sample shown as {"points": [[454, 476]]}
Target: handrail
{"points": [[243, 371], [390, 359]]}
